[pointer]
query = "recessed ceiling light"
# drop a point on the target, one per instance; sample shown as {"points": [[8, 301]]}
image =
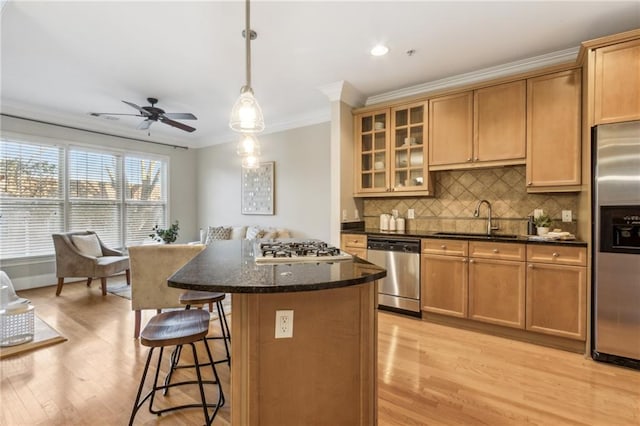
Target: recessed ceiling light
{"points": [[379, 50]]}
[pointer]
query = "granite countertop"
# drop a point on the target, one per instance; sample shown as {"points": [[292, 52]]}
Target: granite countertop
{"points": [[229, 266], [524, 239]]}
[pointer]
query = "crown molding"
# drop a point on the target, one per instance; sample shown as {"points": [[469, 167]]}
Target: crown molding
{"points": [[525, 65], [343, 91]]}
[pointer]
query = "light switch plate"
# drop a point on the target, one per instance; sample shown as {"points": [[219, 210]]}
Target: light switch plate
{"points": [[411, 214], [566, 216]]}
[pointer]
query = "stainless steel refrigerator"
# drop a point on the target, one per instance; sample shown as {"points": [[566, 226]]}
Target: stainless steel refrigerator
{"points": [[616, 248]]}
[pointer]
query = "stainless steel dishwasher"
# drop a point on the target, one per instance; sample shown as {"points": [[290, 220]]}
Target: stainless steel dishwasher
{"points": [[400, 256]]}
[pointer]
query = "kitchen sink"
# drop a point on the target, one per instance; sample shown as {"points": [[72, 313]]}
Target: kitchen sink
{"points": [[476, 235]]}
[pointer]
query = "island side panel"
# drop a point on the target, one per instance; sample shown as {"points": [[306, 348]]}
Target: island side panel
{"points": [[326, 372]]}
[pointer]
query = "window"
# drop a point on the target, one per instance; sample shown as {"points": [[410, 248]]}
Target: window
{"points": [[46, 189], [95, 198], [145, 198], [31, 198]]}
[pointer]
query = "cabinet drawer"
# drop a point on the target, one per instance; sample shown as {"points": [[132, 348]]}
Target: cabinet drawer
{"points": [[493, 250], [354, 240], [561, 255], [445, 247]]}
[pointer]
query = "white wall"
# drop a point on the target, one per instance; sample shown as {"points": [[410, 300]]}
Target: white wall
{"points": [[182, 188], [302, 183]]}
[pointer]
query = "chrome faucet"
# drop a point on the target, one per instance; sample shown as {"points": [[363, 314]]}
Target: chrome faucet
{"points": [[476, 213]]}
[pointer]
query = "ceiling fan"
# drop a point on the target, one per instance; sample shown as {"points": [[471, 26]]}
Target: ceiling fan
{"points": [[152, 114]]}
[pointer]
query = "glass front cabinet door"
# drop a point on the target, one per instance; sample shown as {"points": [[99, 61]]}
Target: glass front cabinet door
{"points": [[372, 143], [408, 149]]}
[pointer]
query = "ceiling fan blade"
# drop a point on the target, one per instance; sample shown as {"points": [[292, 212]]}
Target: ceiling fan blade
{"points": [[145, 124], [176, 124], [98, 114], [142, 110], [180, 116]]}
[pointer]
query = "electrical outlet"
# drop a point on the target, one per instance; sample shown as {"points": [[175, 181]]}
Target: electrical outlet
{"points": [[411, 214], [284, 324], [566, 216], [394, 213], [344, 215], [537, 213]]}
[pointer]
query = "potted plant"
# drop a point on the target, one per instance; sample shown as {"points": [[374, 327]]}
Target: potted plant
{"points": [[542, 223], [168, 235]]}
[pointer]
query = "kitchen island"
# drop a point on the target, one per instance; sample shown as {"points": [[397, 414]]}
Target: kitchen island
{"points": [[326, 372]]}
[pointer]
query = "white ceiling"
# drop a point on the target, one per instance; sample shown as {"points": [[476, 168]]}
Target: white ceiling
{"points": [[62, 60]]}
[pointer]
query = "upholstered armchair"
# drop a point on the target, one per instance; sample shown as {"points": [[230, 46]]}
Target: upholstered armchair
{"points": [[82, 254], [151, 266]]}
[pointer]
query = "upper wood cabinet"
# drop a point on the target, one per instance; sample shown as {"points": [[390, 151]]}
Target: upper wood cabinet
{"points": [[617, 83], [451, 129], [372, 151], [553, 132], [392, 151], [485, 127], [500, 123]]}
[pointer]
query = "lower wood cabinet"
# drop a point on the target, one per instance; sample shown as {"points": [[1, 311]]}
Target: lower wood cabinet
{"points": [[354, 244], [497, 292], [445, 285], [491, 282], [556, 291]]}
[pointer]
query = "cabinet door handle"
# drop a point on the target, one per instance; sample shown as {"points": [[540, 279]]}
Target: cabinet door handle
{"points": [[469, 159], [443, 247], [472, 261], [555, 254], [530, 266], [476, 159], [496, 251], [464, 260], [529, 183]]}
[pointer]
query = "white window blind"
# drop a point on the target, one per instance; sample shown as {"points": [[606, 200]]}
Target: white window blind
{"points": [[31, 198], [145, 196], [121, 197], [95, 194]]}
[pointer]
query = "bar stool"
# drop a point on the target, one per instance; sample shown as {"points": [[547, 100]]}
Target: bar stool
{"points": [[177, 328], [207, 297], [202, 298]]}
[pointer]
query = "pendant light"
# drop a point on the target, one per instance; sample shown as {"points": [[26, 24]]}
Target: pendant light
{"points": [[246, 114], [248, 145]]}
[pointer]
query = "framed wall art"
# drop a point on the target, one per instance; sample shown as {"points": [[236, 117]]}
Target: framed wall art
{"points": [[257, 189]]}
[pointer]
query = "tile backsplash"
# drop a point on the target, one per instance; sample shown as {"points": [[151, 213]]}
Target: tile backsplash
{"points": [[457, 193]]}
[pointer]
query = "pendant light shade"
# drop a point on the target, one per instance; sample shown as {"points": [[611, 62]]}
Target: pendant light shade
{"points": [[246, 115], [248, 145], [250, 162]]}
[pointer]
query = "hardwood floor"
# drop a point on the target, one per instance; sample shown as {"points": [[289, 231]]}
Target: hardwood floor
{"points": [[428, 374]]}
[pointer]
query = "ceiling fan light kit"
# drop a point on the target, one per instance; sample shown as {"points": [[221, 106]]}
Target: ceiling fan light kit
{"points": [[246, 114]]}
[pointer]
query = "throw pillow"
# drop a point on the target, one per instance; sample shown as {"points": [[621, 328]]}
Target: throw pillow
{"points": [[254, 232], [283, 233], [218, 233], [87, 244], [238, 232], [270, 234]]}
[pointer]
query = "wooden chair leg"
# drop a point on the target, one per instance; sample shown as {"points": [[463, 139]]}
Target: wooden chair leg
{"points": [[89, 281], [60, 283], [103, 282], [128, 275], [136, 325]]}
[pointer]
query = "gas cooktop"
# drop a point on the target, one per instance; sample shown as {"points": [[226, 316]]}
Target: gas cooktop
{"points": [[297, 251]]}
